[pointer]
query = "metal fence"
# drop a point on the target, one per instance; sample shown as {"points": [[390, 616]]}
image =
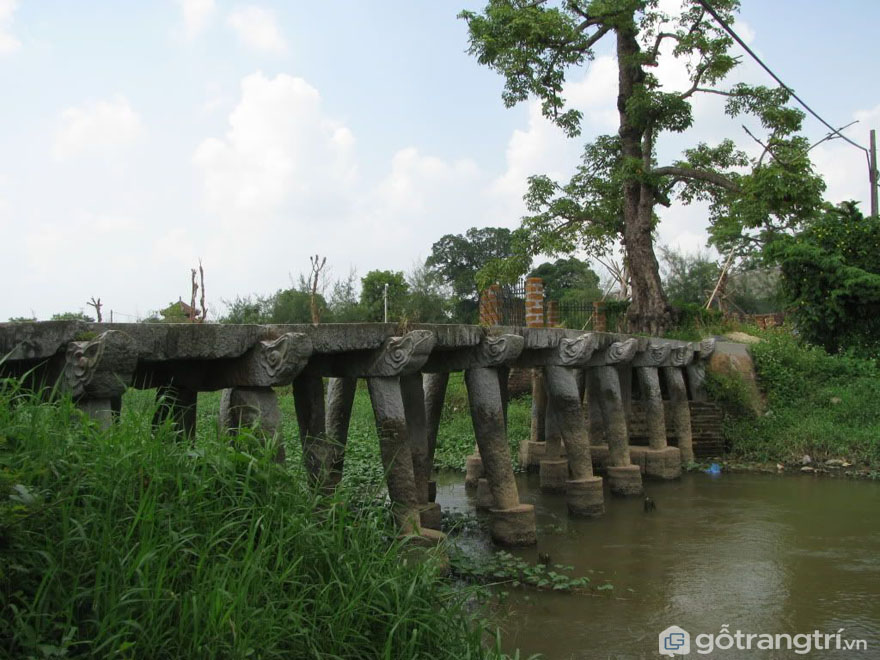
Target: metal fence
{"points": [[513, 303]]}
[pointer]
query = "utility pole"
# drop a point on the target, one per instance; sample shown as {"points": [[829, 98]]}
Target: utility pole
{"points": [[386, 302], [872, 163]]}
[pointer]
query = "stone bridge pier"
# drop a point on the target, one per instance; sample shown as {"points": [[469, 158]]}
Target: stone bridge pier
{"points": [[582, 403]]}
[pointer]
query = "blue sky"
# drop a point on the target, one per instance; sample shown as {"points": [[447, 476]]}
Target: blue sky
{"points": [[137, 137]]}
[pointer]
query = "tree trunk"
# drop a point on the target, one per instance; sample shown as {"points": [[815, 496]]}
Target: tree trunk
{"points": [[648, 311]]}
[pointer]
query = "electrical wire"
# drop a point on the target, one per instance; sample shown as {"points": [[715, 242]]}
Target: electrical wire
{"points": [[766, 68]]}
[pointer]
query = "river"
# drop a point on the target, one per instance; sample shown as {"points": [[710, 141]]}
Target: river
{"points": [[760, 553]]}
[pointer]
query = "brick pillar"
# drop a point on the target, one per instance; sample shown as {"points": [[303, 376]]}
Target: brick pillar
{"points": [[490, 306], [534, 302], [553, 318], [600, 323]]}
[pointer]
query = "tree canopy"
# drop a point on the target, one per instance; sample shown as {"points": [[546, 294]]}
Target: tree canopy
{"points": [[568, 279], [614, 192], [831, 276], [456, 259], [373, 294]]}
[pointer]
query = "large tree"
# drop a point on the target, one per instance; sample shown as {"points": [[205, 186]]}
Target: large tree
{"points": [[613, 194], [569, 280], [373, 294], [456, 259]]}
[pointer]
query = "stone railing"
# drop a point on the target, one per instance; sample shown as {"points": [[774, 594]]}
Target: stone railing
{"points": [[588, 381]]}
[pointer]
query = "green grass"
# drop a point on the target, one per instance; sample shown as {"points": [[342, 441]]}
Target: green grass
{"points": [[455, 441], [128, 543], [817, 404]]}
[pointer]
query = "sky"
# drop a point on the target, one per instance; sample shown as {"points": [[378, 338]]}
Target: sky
{"points": [[139, 137]]}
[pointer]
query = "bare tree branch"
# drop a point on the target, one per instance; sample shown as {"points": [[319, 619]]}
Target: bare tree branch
{"points": [[97, 305], [314, 276], [202, 301], [690, 173]]}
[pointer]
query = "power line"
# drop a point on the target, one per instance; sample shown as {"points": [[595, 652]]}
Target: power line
{"points": [[766, 68]]}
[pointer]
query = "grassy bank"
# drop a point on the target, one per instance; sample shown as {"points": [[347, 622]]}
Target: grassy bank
{"points": [[126, 543], [816, 404]]}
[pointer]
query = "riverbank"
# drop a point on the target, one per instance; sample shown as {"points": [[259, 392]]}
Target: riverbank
{"points": [[130, 543], [817, 411]]}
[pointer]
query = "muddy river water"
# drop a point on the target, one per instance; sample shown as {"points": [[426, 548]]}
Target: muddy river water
{"points": [[762, 554]]}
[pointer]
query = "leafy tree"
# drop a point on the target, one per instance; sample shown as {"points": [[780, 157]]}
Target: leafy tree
{"points": [[22, 319], [831, 274], [373, 294], [456, 260], [688, 278], [293, 306], [343, 303], [248, 309], [613, 193], [72, 316], [568, 279], [428, 301]]}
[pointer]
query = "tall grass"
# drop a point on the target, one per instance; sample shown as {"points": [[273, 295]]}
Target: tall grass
{"points": [[817, 404], [130, 543]]}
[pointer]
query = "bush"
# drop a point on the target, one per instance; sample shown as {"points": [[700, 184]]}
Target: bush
{"points": [[831, 275], [817, 404]]}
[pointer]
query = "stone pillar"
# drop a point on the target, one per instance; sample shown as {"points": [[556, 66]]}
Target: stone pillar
{"points": [[179, 404], [435, 394], [583, 489], [623, 477], [532, 452], [661, 461], [681, 414], [696, 370], [512, 523], [593, 409], [554, 320], [503, 384], [553, 466], [490, 306], [318, 454], [100, 410], [256, 408], [385, 396], [473, 469], [340, 398], [97, 372], [600, 323], [413, 395]]}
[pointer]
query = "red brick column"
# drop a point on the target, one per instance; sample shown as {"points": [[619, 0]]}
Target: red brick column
{"points": [[534, 302], [553, 318], [600, 323], [490, 306]]}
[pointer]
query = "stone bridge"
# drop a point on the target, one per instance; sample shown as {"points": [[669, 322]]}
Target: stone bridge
{"points": [[585, 388]]}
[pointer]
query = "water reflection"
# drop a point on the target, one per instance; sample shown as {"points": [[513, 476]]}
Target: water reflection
{"points": [[761, 553]]}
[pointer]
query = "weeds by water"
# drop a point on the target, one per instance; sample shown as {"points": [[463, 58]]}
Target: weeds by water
{"points": [[131, 543], [506, 569], [816, 404]]}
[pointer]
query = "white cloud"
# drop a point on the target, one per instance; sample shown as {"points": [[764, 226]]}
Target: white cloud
{"points": [[284, 182], [197, 14], [280, 149], [596, 94], [416, 181], [8, 41], [97, 126], [257, 28]]}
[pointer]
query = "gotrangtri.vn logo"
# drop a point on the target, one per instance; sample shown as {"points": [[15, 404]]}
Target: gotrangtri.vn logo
{"points": [[674, 641]]}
